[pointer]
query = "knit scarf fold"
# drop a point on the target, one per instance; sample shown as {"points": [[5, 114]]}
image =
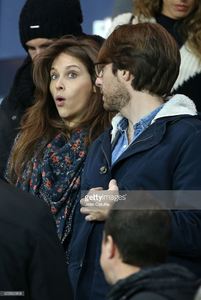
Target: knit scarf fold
{"points": [[56, 177]]}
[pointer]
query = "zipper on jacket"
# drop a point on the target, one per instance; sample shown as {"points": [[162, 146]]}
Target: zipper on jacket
{"points": [[106, 158]]}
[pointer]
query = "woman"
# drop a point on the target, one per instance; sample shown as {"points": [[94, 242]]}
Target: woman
{"points": [[55, 18], [182, 18], [49, 154]]}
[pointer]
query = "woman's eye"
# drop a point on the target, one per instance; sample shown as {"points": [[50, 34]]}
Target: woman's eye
{"points": [[72, 75], [53, 76]]}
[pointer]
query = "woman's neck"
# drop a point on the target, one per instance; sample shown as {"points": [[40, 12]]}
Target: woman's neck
{"points": [[172, 26]]}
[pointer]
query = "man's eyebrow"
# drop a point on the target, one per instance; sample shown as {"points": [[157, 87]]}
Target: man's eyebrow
{"points": [[45, 44]]}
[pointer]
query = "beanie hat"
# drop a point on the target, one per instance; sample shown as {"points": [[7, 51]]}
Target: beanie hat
{"points": [[49, 19]]}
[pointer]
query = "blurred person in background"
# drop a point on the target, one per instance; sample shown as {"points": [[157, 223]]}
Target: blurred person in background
{"points": [[6, 139], [40, 23], [182, 19], [31, 257], [122, 6]]}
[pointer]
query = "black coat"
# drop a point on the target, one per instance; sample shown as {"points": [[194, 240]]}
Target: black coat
{"points": [[13, 107], [156, 283], [6, 139], [31, 257]]}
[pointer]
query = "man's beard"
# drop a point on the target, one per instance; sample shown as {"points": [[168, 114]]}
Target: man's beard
{"points": [[117, 99]]}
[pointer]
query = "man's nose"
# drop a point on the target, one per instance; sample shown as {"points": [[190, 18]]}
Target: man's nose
{"points": [[37, 52], [98, 81]]}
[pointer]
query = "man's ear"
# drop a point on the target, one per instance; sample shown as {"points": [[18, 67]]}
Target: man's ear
{"points": [[110, 247], [126, 75]]}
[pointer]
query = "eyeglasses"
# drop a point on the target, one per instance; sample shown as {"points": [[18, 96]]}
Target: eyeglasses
{"points": [[99, 69]]}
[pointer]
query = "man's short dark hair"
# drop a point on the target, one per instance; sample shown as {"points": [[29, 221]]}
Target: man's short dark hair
{"points": [[148, 51], [140, 229]]}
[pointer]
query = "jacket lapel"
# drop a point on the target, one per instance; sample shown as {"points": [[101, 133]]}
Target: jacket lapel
{"points": [[148, 139], [151, 137], [106, 147]]}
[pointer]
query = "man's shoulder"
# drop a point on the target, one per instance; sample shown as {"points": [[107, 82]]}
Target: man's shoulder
{"points": [[147, 296], [188, 124], [184, 123], [22, 209]]}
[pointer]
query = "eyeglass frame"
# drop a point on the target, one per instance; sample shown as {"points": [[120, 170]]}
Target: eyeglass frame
{"points": [[99, 66]]}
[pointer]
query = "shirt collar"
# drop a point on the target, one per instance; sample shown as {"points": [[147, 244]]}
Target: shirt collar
{"points": [[143, 122]]}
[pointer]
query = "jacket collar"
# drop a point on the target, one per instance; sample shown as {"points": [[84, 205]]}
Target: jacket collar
{"points": [[148, 139], [177, 105]]}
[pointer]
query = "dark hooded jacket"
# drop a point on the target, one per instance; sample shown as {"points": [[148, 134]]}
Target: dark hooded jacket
{"points": [[165, 282], [13, 107]]}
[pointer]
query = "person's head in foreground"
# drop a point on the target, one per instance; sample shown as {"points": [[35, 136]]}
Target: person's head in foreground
{"points": [[134, 252], [136, 235]]}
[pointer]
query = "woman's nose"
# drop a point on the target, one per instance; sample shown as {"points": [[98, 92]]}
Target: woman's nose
{"points": [[60, 84]]}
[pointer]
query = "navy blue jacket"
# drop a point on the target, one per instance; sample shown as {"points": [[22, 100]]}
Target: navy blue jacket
{"points": [[166, 156]]}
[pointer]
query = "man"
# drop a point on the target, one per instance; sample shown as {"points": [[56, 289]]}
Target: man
{"points": [[31, 258], [134, 250], [154, 144], [40, 23]]}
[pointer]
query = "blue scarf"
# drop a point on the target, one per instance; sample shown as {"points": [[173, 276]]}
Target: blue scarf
{"points": [[56, 177]]}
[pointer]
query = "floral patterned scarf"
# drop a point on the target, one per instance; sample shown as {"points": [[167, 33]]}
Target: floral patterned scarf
{"points": [[56, 177]]}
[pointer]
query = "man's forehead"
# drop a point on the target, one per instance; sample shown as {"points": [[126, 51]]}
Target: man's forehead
{"points": [[39, 42]]}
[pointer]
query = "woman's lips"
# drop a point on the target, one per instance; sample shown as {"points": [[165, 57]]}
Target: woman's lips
{"points": [[182, 8], [60, 101]]}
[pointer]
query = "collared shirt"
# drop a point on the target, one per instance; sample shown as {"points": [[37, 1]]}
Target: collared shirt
{"points": [[122, 142]]}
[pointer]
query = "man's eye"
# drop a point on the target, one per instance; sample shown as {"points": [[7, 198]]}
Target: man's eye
{"points": [[30, 48], [53, 76], [44, 46]]}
